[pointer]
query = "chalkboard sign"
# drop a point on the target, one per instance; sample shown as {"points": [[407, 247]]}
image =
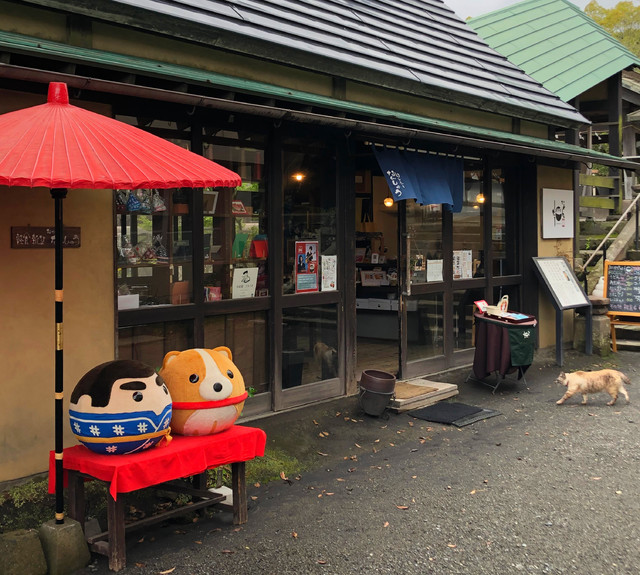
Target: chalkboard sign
{"points": [[622, 287]]}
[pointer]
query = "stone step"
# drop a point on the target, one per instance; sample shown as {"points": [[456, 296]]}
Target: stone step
{"points": [[628, 344]]}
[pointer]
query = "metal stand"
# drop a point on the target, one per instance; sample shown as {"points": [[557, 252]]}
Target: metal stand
{"points": [[498, 379]]}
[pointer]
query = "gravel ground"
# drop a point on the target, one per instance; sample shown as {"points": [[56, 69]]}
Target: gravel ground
{"points": [[538, 489]]}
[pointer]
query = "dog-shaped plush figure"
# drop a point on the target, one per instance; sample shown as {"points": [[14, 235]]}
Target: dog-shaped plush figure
{"points": [[207, 390]]}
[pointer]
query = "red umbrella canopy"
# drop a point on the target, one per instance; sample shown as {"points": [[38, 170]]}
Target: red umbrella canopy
{"points": [[58, 145]]}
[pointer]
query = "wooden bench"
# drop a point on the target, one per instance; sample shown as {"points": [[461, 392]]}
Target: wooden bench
{"points": [[618, 319], [160, 467]]}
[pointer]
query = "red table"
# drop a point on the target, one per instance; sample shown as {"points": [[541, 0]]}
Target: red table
{"points": [[182, 457]]}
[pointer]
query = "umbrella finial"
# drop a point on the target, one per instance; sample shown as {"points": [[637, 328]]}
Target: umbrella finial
{"points": [[58, 93]]}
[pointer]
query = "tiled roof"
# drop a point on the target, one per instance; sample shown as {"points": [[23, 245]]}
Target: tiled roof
{"points": [[415, 46], [556, 43]]}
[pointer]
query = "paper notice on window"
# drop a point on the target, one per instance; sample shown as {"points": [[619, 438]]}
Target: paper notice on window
{"points": [[329, 266], [244, 282], [462, 264], [434, 270]]}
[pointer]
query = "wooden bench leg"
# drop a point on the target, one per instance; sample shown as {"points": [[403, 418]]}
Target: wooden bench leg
{"points": [[614, 346], [77, 502], [239, 489], [115, 527]]}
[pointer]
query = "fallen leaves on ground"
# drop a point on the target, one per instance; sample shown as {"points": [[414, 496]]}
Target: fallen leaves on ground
{"points": [[285, 478], [167, 571], [402, 507]]}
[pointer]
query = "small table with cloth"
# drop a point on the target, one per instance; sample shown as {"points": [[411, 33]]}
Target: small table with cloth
{"points": [[159, 466], [502, 348]]}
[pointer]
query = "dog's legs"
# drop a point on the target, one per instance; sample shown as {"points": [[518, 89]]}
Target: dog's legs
{"points": [[614, 398], [584, 399]]}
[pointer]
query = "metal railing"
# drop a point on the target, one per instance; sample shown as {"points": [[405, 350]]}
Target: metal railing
{"points": [[633, 204]]}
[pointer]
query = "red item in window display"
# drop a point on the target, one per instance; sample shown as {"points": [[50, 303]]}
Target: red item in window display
{"points": [[207, 389]]}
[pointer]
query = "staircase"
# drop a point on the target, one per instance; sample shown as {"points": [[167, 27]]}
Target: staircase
{"points": [[620, 245]]}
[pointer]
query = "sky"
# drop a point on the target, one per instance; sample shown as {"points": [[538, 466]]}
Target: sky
{"points": [[466, 8]]}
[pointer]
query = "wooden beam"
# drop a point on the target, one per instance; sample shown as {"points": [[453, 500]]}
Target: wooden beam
{"points": [[597, 181], [597, 202]]}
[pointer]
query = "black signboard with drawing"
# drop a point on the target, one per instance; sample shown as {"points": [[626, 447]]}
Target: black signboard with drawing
{"points": [[622, 287], [563, 286]]}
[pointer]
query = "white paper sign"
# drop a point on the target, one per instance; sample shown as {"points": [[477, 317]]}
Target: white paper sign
{"points": [[462, 264], [434, 270], [329, 266], [244, 282]]}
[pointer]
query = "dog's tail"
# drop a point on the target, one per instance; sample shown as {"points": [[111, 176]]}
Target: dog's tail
{"points": [[624, 378]]}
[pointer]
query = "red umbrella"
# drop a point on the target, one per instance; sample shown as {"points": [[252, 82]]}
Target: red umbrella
{"points": [[60, 146]]}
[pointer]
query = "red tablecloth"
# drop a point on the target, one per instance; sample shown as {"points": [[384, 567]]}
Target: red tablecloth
{"points": [[182, 457]]}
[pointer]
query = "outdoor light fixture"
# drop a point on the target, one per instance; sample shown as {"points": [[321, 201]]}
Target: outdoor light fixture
{"points": [[298, 177], [388, 201], [480, 198]]}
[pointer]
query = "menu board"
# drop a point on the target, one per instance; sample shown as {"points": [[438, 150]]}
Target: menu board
{"points": [[562, 282], [622, 287]]}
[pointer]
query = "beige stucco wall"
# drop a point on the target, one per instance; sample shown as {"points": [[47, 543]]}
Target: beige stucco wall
{"points": [[27, 314], [558, 178]]}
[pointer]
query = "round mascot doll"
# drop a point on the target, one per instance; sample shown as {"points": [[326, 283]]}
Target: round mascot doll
{"points": [[120, 407], [207, 390]]}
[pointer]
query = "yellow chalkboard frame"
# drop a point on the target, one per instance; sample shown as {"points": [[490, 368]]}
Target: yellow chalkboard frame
{"points": [[607, 265]]}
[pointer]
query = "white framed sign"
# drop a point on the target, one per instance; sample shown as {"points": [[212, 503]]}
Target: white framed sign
{"points": [[557, 213], [561, 282]]}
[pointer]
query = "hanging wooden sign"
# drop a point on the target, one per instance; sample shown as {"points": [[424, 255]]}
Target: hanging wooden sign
{"points": [[37, 237]]}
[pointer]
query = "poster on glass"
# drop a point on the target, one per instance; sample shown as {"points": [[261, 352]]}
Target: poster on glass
{"points": [[306, 267]]}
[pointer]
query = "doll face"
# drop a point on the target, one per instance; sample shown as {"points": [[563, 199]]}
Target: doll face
{"points": [[132, 394], [200, 374]]}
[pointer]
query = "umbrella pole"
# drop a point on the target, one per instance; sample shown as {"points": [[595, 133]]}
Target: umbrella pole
{"points": [[58, 194]]}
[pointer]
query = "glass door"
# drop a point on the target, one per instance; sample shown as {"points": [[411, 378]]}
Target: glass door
{"points": [[308, 320], [443, 273]]}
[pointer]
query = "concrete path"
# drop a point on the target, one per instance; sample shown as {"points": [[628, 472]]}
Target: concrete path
{"points": [[538, 489]]}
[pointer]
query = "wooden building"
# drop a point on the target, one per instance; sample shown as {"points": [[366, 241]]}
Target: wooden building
{"points": [[302, 271]]}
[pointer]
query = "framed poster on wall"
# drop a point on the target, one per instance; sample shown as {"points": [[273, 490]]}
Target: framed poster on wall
{"points": [[557, 213]]}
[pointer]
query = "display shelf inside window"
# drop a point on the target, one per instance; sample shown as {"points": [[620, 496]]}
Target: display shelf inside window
{"points": [[154, 247], [235, 237]]}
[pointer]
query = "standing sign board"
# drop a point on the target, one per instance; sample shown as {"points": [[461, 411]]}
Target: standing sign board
{"points": [[563, 286]]}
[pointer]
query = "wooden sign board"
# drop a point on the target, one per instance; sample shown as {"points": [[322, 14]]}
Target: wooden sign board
{"points": [[34, 237], [622, 287]]}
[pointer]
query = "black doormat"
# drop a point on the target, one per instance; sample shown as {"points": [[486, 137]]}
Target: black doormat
{"points": [[458, 414]]}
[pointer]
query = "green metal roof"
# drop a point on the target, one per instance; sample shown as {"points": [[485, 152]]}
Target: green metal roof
{"points": [[556, 43], [313, 107]]}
